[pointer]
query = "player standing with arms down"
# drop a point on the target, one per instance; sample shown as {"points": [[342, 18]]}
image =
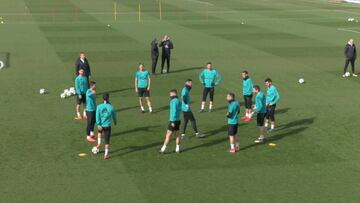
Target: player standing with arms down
{"points": [[91, 112], [174, 122], [260, 109], [185, 107], [210, 78], [248, 94], [83, 63], [272, 98], [167, 46], [142, 87], [105, 112], [81, 86], [233, 122], [350, 57]]}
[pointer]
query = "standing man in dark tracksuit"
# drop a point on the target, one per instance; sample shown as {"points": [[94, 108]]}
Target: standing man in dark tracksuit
{"points": [[166, 45], [154, 55], [350, 57], [83, 63]]}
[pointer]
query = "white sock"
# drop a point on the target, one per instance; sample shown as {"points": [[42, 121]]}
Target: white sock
{"points": [[237, 144], [91, 133], [150, 109], [247, 115], [84, 114], [177, 148], [262, 137], [232, 146], [78, 114], [142, 108], [266, 124], [163, 148], [202, 106], [99, 141], [272, 126], [210, 106], [106, 151]]}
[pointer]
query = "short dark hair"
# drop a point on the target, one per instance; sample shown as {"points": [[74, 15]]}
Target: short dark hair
{"points": [[106, 97], [208, 63], [268, 80], [257, 87], [92, 83], [246, 72], [188, 80], [81, 69], [231, 95], [173, 91], [141, 64]]}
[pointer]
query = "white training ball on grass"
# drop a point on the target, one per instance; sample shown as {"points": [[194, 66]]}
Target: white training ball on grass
{"points": [[42, 91], [95, 150], [301, 80], [62, 96], [68, 94], [347, 74], [109, 25]]}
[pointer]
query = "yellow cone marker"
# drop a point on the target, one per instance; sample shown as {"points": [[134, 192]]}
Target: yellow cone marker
{"points": [[272, 144], [82, 154]]}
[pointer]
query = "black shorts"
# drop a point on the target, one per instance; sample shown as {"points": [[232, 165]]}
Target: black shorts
{"points": [[82, 100], [107, 132], [176, 127], [143, 92], [248, 101], [260, 119], [232, 129], [270, 112], [189, 116], [208, 90]]}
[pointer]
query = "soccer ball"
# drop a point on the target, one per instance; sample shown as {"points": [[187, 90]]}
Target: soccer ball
{"points": [[347, 74], [351, 19], [42, 91], [62, 96], [72, 91], [301, 80], [95, 150], [68, 93]]}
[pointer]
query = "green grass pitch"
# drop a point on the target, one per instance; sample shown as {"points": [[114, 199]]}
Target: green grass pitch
{"points": [[317, 157]]}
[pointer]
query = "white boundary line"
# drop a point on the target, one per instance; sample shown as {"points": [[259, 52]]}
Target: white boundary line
{"points": [[348, 30]]}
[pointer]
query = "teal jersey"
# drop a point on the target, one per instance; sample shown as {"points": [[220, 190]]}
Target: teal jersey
{"points": [[142, 78], [185, 96], [104, 114], [175, 109], [260, 103], [210, 78], [272, 95], [90, 100], [248, 87], [233, 112], [81, 85]]}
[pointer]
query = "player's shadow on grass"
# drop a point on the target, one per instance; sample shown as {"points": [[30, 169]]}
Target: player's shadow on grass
{"points": [[135, 130], [282, 111], [126, 108], [114, 91], [185, 69], [133, 149]]}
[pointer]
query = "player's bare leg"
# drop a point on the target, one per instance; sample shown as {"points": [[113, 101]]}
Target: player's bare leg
{"points": [[106, 155], [232, 143], [177, 149], [166, 141], [202, 106], [149, 104], [141, 104], [77, 109]]}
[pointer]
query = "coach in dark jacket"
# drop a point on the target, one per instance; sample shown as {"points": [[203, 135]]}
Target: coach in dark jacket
{"points": [[154, 55], [166, 45], [82, 63], [350, 57]]}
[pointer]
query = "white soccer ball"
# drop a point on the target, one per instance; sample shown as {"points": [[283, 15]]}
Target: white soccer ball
{"points": [[351, 19], [95, 150], [42, 91], [72, 91], [301, 80], [347, 74], [68, 94], [62, 96]]}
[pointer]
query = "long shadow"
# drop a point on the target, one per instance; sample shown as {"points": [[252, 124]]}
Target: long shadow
{"points": [[278, 136], [185, 69], [140, 129], [207, 144], [114, 91], [306, 121], [133, 149], [126, 108]]}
